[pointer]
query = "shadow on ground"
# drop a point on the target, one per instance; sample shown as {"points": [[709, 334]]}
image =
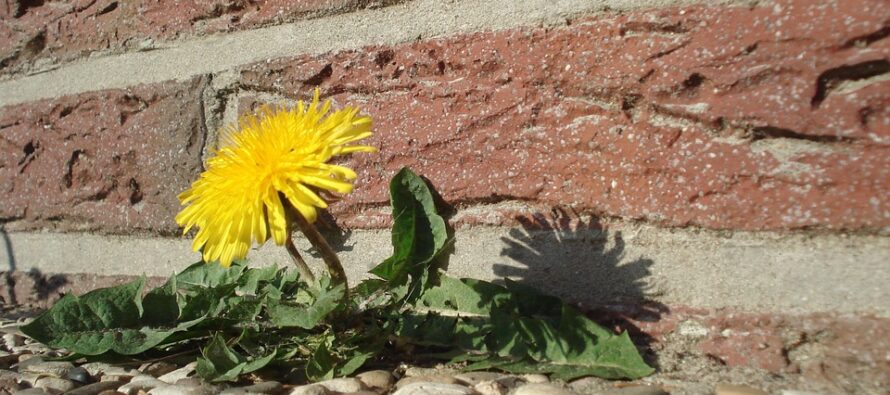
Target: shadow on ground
{"points": [[582, 261]]}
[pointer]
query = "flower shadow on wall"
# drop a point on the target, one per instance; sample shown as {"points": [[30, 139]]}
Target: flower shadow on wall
{"points": [[581, 260]]}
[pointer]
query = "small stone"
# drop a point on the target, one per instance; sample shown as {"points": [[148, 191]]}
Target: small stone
{"points": [[54, 384], [732, 389], [310, 389], [79, 375], [12, 340], [8, 374], [9, 381], [96, 388], [639, 390], [29, 360], [157, 369], [181, 390], [7, 359], [141, 383], [473, 378], [591, 385], [692, 329], [343, 385], [26, 357], [425, 372], [265, 387], [109, 392], [108, 372], [427, 379], [535, 378], [542, 389], [52, 368], [430, 388], [189, 382], [96, 369], [32, 391], [30, 378], [377, 379], [178, 374], [491, 388]]}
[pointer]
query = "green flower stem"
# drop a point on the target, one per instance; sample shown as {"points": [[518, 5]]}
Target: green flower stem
{"points": [[335, 269], [302, 267]]}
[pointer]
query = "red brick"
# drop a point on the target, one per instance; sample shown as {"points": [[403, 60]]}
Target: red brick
{"points": [[763, 118], [111, 161], [60, 31], [846, 352]]}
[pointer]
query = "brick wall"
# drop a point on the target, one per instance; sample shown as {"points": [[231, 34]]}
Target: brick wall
{"points": [[765, 124]]}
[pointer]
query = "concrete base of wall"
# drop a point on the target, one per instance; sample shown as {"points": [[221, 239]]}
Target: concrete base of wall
{"points": [[622, 262]]}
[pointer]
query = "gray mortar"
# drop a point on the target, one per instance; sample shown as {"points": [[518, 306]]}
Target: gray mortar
{"points": [[628, 262], [389, 25]]}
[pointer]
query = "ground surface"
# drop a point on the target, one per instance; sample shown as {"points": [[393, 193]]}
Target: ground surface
{"points": [[27, 367]]}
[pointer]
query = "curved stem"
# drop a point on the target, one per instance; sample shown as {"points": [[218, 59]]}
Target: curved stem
{"points": [[302, 267], [335, 269]]}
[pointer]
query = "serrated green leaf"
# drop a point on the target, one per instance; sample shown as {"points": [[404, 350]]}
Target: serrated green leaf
{"points": [[613, 358], [161, 305], [107, 319], [418, 233], [222, 363], [321, 365], [249, 282], [210, 275], [521, 328], [307, 317]]}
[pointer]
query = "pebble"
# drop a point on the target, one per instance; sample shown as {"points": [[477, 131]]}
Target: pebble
{"points": [[732, 389], [8, 374], [11, 341], [7, 359], [52, 368], [415, 371], [9, 381], [189, 382], [78, 374], [343, 385], [54, 384], [181, 390], [97, 368], [431, 388], [25, 357], [157, 369], [32, 391], [542, 389], [535, 378], [491, 388], [141, 383], [96, 388], [439, 378], [310, 389], [265, 387], [377, 379], [473, 378], [639, 390], [178, 374]]}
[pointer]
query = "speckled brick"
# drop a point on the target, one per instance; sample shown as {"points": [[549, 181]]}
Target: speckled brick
{"points": [[768, 117], [111, 161], [53, 31], [846, 353]]}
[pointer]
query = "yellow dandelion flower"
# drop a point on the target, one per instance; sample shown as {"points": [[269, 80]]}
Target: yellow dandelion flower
{"points": [[236, 200]]}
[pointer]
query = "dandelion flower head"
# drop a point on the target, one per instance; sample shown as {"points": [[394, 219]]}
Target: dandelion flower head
{"points": [[281, 152]]}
